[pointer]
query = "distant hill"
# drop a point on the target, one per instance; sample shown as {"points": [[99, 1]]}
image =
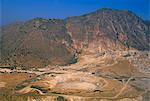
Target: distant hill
{"points": [[40, 42], [147, 22]]}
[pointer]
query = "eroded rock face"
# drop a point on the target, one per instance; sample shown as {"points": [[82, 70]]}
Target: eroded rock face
{"points": [[39, 42], [109, 29]]}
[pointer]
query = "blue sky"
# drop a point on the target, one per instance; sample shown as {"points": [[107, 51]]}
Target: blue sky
{"points": [[18, 10]]}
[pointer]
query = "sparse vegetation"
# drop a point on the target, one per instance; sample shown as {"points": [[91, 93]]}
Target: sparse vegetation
{"points": [[98, 55]]}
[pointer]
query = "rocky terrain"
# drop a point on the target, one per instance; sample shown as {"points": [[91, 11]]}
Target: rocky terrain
{"points": [[40, 42], [100, 56]]}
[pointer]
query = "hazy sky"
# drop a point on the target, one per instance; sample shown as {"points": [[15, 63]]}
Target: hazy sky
{"points": [[17, 10]]}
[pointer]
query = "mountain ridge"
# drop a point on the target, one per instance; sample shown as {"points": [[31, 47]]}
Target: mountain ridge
{"points": [[40, 42]]}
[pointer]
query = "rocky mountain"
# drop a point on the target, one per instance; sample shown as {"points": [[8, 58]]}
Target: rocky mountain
{"points": [[40, 42], [119, 28], [37, 43]]}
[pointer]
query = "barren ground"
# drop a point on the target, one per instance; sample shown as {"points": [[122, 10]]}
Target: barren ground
{"points": [[93, 78]]}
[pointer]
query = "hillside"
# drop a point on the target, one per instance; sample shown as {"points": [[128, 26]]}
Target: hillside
{"points": [[40, 42]]}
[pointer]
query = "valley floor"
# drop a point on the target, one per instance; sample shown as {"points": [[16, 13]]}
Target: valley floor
{"points": [[109, 76]]}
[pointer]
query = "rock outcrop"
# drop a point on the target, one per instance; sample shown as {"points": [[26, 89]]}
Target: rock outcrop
{"points": [[40, 42]]}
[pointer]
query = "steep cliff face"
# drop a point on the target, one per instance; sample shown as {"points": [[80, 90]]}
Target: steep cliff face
{"points": [[39, 42], [109, 29]]}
